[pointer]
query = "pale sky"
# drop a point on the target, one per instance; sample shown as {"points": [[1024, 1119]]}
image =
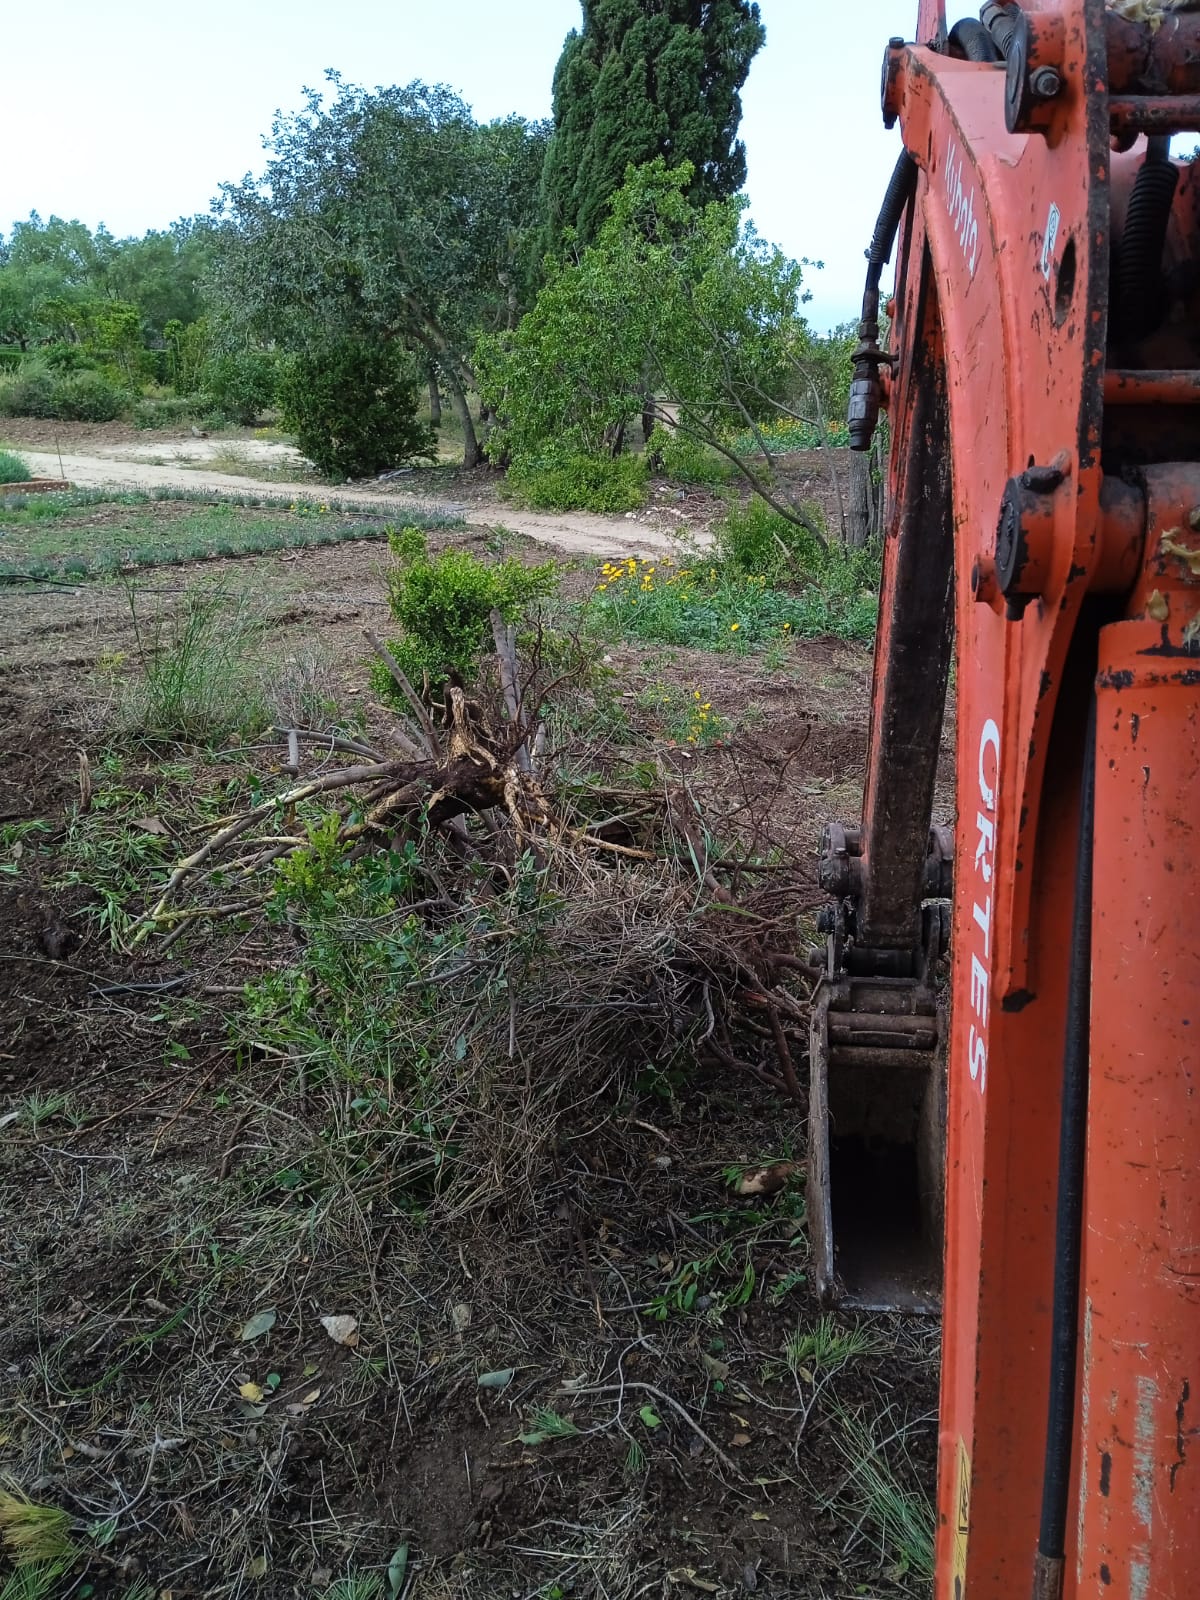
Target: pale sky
{"points": [[131, 112]]}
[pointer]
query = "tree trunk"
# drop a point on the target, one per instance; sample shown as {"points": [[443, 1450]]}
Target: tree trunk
{"points": [[472, 454], [648, 417], [435, 401], [866, 502]]}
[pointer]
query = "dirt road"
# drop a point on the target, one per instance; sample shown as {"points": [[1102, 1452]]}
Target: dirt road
{"points": [[572, 532]]}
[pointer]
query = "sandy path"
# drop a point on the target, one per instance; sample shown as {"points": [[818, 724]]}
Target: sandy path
{"points": [[572, 532]]}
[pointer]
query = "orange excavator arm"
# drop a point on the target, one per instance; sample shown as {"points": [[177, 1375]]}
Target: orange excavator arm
{"points": [[1024, 1149]]}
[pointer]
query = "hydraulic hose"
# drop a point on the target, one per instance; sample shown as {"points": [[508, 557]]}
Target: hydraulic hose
{"points": [[1064, 1326], [1001, 18], [1140, 300], [865, 389], [973, 40]]}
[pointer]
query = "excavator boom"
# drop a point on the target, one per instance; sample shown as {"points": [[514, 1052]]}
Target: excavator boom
{"points": [[1024, 1149]]}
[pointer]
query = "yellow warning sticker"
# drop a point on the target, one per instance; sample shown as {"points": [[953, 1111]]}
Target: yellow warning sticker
{"points": [[962, 1524]]}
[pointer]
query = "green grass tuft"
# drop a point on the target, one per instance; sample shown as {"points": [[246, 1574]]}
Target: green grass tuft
{"points": [[13, 468]]}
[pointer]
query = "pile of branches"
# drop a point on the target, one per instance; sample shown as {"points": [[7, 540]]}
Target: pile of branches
{"points": [[639, 945]]}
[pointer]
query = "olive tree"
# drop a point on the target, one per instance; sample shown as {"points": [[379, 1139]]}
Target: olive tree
{"points": [[391, 216]]}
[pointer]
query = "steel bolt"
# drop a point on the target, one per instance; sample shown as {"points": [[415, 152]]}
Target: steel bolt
{"points": [[1046, 83]]}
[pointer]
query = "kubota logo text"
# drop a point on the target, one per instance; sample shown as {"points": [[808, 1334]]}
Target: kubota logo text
{"points": [[960, 197], [985, 861]]}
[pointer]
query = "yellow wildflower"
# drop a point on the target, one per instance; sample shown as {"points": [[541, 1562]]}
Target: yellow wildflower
{"points": [[697, 693], [786, 626], [602, 587], [707, 706], [734, 626]]}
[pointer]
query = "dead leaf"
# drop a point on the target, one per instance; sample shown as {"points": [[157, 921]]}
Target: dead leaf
{"points": [[261, 1322], [741, 1440], [257, 1568], [460, 1317], [690, 1575], [718, 1371], [152, 825], [85, 781], [766, 1180], [1157, 607], [250, 1411], [1171, 546], [759, 1516], [250, 1391], [342, 1330]]}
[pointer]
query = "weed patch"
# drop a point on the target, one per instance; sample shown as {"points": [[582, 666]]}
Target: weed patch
{"points": [[13, 468], [711, 604], [200, 674]]}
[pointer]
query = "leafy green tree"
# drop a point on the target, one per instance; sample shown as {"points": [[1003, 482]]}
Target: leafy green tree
{"points": [[57, 276], [392, 216], [686, 306], [647, 78]]}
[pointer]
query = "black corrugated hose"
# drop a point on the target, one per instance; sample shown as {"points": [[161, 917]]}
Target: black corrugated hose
{"points": [[1140, 300]]}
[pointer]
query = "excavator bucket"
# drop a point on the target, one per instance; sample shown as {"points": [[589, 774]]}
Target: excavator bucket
{"points": [[877, 1115]]}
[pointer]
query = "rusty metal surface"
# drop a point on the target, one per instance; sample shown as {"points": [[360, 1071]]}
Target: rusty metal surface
{"points": [[1003, 304], [1138, 1493]]}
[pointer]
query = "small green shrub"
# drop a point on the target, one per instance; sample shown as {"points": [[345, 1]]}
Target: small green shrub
{"points": [[444, 604], [686, 459], [352, 406], [67, 358], [29, 393], [579, 482], [89, 397], [162, 411], [240, 384], [751, 538], [83, 396], [13, 468]]}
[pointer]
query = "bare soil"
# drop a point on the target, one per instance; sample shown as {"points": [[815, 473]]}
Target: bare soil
{"points": [[169, 1183]]}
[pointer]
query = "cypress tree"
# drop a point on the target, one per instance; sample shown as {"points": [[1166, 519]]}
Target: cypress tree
{"points": [[646, 78]]}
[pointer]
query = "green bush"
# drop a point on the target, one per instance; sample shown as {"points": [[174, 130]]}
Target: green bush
{"points": [[29, 393], [13, 468], [686, 459], [162, 411], [240, 384], [89, 397], [444, 604], [86, 396], [578, 482], [753, 539], [66, 358], [352, 406]]}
